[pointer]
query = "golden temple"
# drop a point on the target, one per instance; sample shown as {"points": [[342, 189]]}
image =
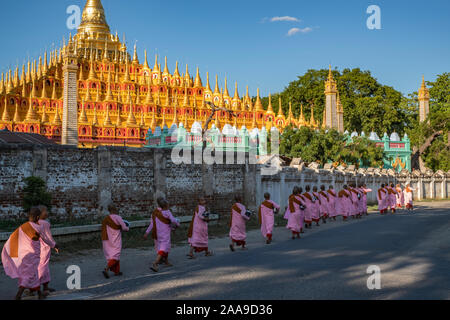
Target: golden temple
{"points": [[93, 92]]}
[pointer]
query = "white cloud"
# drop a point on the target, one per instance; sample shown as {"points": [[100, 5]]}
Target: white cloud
{"points": [[293, 31], [284, 18]]}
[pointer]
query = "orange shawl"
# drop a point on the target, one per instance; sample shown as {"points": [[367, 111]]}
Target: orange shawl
{"points": [[292, 200], [235, 208], [343, 193], [324, 194], [266, 204], [332, 193], [158, 214], [108, 221], [14, 240]]}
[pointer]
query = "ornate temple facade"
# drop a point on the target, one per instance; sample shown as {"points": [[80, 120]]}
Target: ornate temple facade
{"points": [[93, 92]]}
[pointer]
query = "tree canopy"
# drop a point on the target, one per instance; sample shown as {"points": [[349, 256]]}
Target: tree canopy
{"points": [[369, 105], [329, 146]]}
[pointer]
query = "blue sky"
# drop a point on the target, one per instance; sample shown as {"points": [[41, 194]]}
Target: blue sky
{"points": [[238, 39]]}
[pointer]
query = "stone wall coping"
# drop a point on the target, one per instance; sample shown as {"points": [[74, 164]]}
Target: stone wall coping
{"points": [[67, 231]]}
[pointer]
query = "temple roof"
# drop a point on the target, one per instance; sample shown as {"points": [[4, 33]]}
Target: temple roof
{"points": [[93, 18]]}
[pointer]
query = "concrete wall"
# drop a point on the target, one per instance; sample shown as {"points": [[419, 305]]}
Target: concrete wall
{"points": [[84, 181]]}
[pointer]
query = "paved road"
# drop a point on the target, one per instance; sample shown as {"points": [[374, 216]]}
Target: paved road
{"points": [[329, 262]]}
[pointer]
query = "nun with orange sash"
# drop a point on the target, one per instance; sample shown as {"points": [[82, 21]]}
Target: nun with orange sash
{"points": [[400, 197], [354, 196], [315, 215], [345, 203], [324, 204], [392, 198], [310, 206], [21, 254], [266, 212], [238, 220], [408, 196], [382, 198], [112, 227], [198, 230], [161, 225], [365, 190], [332, 197], [294, 213]]}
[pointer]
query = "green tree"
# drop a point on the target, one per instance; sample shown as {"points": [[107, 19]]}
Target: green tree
{"points": [[368, 105], [35, 193], [329, 146]]}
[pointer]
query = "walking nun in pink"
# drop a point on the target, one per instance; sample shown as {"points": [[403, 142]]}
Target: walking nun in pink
{"points": [[112, 227], [294, 213], [365, 191], [161, 227], [392, 198], [316, 206], [324, 204], [408, 197], [21, 254], [400, 197], [382, 197], [332, 203], [344, 203], [266, 213], [198, 231], [309, 204], [44, 269], [238, 220]]}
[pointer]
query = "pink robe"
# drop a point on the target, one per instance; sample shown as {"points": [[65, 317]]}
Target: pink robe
{"points": [[382, 199], [113, 246], [44, 270], [238, 221], [354, 207], [344, 203], [310, 207], [315, 213], [199, 237], [163, 231], [365, 191], [408, 195], [400, 198], [393, 198], [331, 203], [25, 267], [324, 205], [295, 218], [267, 218]]}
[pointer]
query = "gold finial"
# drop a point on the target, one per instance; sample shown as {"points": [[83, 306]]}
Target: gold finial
{"points": [[142, 122], [187, 77], [135, 55], [175, 117], [5, 115], [166, 68], [17, 115], [269, 108], [131, 121], [176, 73], [83, 117], [225, 90], [280, 108], [107, 120], [31, 114], [236, 93], [54, 96], [198, 80], [149, 98], [93, 19], [146, 66], [126, 78], [186, 102], [92, 74], [258, 103], [156, 67], [424, 93], [216, 89], [44, 91], [57, 118], [208, 88], [119, 120]]}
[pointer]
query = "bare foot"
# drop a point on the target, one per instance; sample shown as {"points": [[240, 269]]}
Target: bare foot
{"points": [[105, 274], [154, 267]]}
